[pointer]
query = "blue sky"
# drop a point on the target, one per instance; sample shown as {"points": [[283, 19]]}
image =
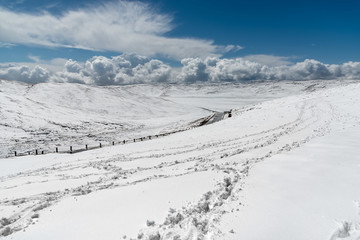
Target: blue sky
{"points": [[327, 31]]}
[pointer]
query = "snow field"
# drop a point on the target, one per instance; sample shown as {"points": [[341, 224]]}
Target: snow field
{"points": [[49, 115], [309, 193], [201, 174]]}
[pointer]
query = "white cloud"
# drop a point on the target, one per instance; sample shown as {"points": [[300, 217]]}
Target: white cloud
{"points": [[269, 60], [233, 48], [121, 26], [194, 70], [350, 69], [309, 69], [72, 66], [25, 74], [241, 69], [34, 58], [124, 69], [133, 69], [53, 65], [6, 45]]}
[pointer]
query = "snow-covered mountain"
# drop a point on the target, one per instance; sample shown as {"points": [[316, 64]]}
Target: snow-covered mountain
{"points": [[285, 168]]}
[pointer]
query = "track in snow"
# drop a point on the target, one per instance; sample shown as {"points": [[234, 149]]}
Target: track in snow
{"points": [[229, 149]]}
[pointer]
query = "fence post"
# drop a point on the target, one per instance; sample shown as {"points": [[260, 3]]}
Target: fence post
{"points": [[100, 144], [36, 152], [134, 139], [42, 152], [86, 147], [113, 143], [15, 154], [56, 149], [124, 141], [70, 149]]}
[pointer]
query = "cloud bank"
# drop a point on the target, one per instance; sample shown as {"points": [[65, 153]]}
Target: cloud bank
{"points": [[124, 69], [241, 69], [135, 69], [25, 74], [121, 26]]}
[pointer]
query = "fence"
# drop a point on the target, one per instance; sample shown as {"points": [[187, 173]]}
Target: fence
{"points": [[87, 147], [71, 150]]}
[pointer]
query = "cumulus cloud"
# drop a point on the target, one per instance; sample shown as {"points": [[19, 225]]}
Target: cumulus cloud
{"points": [[134, 69], [194, 70], [124, 69], [309, 69], [25, 74], [349, 70], [241, 69], [120, 26]]}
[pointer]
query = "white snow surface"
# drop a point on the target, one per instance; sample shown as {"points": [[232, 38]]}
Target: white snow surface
{"points": [[284, 168], [49, 115], [309, 193]]}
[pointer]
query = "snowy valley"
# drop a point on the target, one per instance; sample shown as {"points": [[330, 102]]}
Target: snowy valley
{"points": [[285, 165]]}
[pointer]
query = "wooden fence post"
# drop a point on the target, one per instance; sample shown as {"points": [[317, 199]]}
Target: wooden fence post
{"points": [[100, 145], [36, 152], [70, 149], [56, 149], [15, 154], [86, 147]]}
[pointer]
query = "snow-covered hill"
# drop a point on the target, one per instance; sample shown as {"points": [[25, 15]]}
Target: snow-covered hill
{"points": [[281, 169], [49, 115]]}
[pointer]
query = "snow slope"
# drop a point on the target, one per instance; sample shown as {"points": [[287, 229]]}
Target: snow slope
{"points": [[309, 193], [211, 182], [49, 115]]}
